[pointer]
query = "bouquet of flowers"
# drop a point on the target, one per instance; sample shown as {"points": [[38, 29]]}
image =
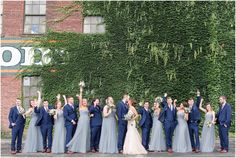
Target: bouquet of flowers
{"points": [[187, 110], [111, 107], [52, 112], [128, 116], [81, 84], [158, 99], [209, 124]]}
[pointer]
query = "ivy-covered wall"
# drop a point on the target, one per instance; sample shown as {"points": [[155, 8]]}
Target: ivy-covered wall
{"points": [[149, 48]]}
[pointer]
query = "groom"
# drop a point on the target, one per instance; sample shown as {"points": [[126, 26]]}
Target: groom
{"points": [[145, 123], [122, 109], [168, 118]]}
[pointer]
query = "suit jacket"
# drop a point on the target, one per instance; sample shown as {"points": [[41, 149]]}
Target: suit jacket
{"points": [[43, 116], [122, 109], [15, 117], [195, 115], [70, 114], [224, 115], [146, 117], [96, 119]]}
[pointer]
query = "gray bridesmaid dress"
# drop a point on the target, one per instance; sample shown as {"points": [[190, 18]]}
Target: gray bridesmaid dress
{"points": [[34, 139], [108, 141], [208, 135], [181, 141], [58, 144], [157, 141], [81, 139]]}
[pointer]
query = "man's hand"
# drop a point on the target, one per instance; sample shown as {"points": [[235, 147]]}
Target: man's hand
{"points": [[225, 125], [58, 96], [73, 122], [13, 124]]}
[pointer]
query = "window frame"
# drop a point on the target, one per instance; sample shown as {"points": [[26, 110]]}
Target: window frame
{"points": [[34, 15]]}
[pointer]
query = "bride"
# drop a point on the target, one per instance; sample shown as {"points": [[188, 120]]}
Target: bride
{"points": [[132, 144]]}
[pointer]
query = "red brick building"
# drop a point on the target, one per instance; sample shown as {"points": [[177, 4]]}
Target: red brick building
{"points": [[21, 20]]}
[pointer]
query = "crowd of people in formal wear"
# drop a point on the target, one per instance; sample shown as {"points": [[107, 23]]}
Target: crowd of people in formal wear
{"points": [[164, 127]]}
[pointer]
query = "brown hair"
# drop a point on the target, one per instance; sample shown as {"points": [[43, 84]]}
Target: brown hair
{"points": [[133, 102], [185, 104], [30, 103]]}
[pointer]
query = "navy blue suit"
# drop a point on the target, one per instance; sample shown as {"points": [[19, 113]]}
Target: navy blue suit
{"points": [[122, 109], [169, 120], [45, 121], [224, 118], [95, 125], [146, 124], [193, 121], [18, 129], [70, 113]]}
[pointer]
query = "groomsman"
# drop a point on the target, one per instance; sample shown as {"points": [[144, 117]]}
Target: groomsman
{"points": [[95, 124], [122, 109], [193, 122], [70, 115], [145, 123], [168, 118], [45, 121], [224, 120], [17, 124]]}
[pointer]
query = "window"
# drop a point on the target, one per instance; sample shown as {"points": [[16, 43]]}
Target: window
{"points": [[35, 17], [30, 87], [94, 24]]}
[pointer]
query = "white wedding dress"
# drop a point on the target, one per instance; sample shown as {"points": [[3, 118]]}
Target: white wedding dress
{"points": [[132, 144]]}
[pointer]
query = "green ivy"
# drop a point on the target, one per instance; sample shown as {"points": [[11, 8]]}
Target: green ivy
{"points": [[149, 48]]}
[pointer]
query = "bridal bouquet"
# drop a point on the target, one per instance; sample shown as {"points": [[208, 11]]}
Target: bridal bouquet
{"points": [[158, 99], [209, 124], [128, 116], [52, 112], [187, 110]]}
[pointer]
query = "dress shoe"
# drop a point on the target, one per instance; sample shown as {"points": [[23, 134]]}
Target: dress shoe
{"points": [[149, 150], [219, 150], [18, 151], [170, 151], [120, 151], [48, 150], [44, 151], [13, 152], [197, 151], [223, 151], [93, 150], [193, 150], [69, 152]]}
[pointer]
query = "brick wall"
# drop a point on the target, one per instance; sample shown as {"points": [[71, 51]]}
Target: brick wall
{"points": [[12, 26], [10, 90]]}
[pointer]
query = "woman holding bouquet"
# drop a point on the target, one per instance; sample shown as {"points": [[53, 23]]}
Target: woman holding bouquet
{"points": [[81, 139], [132, 144], [181, 141], [157, 142], [108, 141], [208, 130], [34, 139], [58, 144]]}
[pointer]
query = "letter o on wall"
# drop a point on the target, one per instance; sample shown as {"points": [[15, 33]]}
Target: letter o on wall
{"points": [[15, 56]]}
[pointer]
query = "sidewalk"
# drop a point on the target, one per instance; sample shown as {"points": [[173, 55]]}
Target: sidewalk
{"points": [[5, 152]]}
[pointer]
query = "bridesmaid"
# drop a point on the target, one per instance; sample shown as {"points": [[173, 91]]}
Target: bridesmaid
{"points": [[181, 141], [34, 139], [108, 141], [157, 142], [208, 130], [81, 139], [58, 144]]}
